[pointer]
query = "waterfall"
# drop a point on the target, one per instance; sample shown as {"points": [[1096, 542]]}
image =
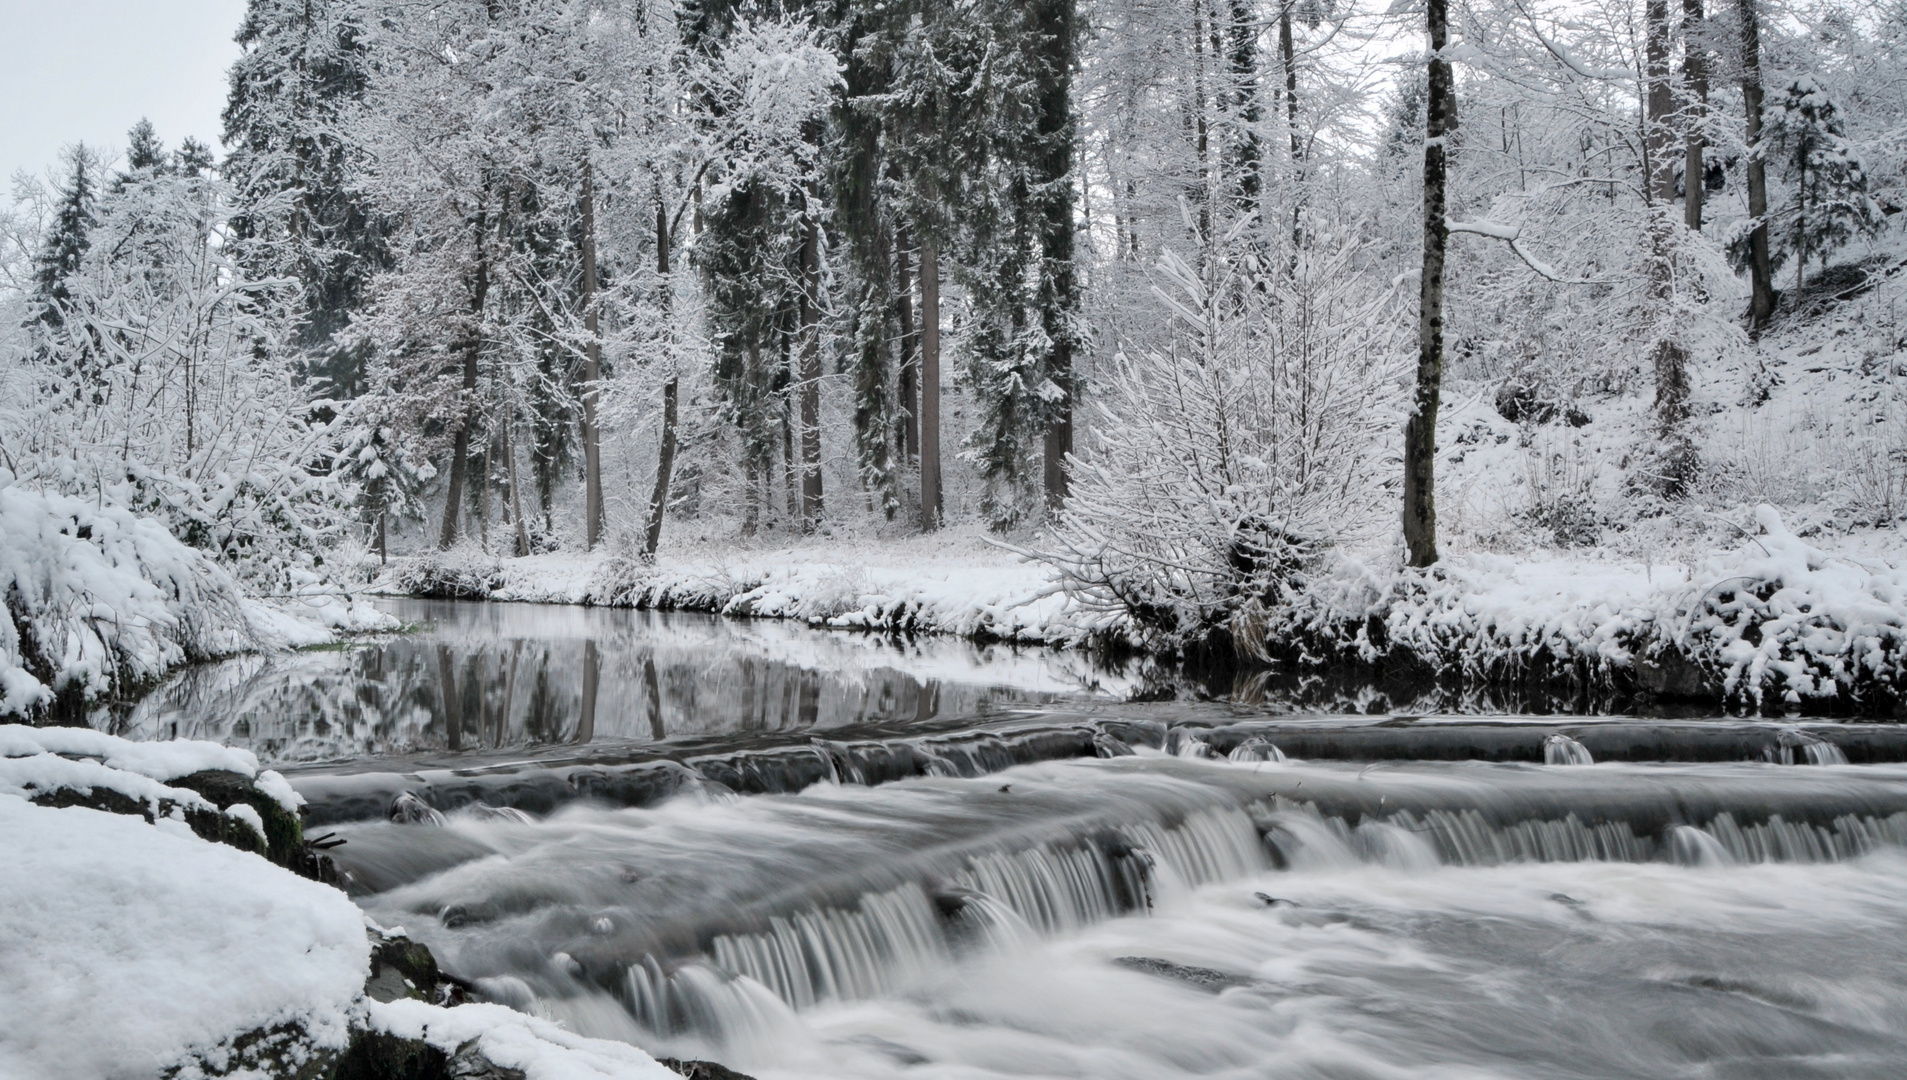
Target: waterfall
{"points": [[1560, 749], [999, 899], [1301, 836], [1256, 749], [1813, 749]]}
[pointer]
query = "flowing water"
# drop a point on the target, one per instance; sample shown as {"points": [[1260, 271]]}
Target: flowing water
{"points": [[813, 855]]}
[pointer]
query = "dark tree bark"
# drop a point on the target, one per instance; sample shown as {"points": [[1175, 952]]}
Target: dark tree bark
{"points": [[810, 393], [1060, 302], [1695, 79], [930, 496], [1760, 268], [472, 350], [665, 457], [1420, 431], [592, 374]]}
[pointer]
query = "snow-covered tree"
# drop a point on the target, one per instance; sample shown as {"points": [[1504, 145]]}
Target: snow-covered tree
{"points": [[1225, 464]]}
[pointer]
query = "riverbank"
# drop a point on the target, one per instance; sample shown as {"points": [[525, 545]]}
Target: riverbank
{"points": [[151, 924], [1776, 625]]}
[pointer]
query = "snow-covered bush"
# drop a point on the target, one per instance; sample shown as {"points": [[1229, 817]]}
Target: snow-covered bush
{"points": [[100, 599], [157, 377], [1223, 465]]}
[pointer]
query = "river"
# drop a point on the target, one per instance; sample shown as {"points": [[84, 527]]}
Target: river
{"points": [[814, 854]]}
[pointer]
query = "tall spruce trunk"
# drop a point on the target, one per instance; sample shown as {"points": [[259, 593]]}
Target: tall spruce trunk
{"points": [[1695, 80], [930, 496], [665, 457], [1287, 55], [473, 350], [1671, 356], [1060, 304], [810, 370], [1761, 274], [1420, 430], [592, 373]]}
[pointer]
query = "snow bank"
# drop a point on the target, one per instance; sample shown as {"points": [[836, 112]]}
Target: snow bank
{"points": [[542, 1050], [997, 597], [1776, 622], [101, 599], [136, 950], [126, 950], [34, 760], [100, 596]]}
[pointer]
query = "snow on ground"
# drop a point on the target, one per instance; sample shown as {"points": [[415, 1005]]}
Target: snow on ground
{"points": [[47, 759], [133, 950], [955, 584], [126, 949], [543, 1050], [102, 599]]}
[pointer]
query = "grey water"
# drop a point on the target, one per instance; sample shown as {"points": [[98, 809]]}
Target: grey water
{"points": [[808, 854]]}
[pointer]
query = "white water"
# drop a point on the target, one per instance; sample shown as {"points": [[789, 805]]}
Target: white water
{"points": [[1563, 750], [1459, 926]]}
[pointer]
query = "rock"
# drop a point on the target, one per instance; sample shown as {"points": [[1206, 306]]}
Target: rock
{"points": [[402, 968], [702, 1070], [1664, 670], [1207, 979]]}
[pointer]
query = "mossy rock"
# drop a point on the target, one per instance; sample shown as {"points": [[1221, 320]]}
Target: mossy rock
{"points": [[284, 833]]}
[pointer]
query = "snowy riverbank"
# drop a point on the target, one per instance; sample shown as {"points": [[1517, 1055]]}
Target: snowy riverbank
{"points": [[102, 601], [131, 946], [1776, 624]]}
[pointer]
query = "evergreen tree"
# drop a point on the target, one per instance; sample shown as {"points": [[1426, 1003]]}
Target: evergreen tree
{"points": [[60, 254], [1827, 200], [304, 66]]}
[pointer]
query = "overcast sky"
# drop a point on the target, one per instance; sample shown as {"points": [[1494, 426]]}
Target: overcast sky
{"points": [[86, 70]]}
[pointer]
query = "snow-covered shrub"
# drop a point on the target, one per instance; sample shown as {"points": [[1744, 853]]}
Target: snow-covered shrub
{"points": [[1224, 464], [100, 599], [158, 377]]}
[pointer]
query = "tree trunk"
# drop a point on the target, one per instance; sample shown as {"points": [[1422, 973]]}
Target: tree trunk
{"points": [[473, 348], [1060, 304], [1287, 53], [592, 373], [910, 351], [665, 457], [665, 465], [930, 497], [1760, 267], [810, 373], [1420, 431], [1659, 104], [1695, 78]]}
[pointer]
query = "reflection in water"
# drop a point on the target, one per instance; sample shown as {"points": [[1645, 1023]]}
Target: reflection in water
{"points": [[488, 675]]}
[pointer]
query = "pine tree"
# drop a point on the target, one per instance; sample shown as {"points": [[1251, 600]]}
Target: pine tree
{"points": [[289, 159], [75, 200], [1828, 201]]}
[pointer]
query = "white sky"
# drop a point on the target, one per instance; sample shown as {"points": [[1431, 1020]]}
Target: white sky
{"points": [[86, 70]]}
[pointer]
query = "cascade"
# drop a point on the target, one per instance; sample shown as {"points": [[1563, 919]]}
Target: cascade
{"points": [[1560, 749]]}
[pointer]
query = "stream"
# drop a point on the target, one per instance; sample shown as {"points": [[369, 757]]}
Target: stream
{"points": [[810, 854]]}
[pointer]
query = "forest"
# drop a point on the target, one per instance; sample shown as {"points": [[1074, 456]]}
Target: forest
{"points": [[1218, 312]]}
